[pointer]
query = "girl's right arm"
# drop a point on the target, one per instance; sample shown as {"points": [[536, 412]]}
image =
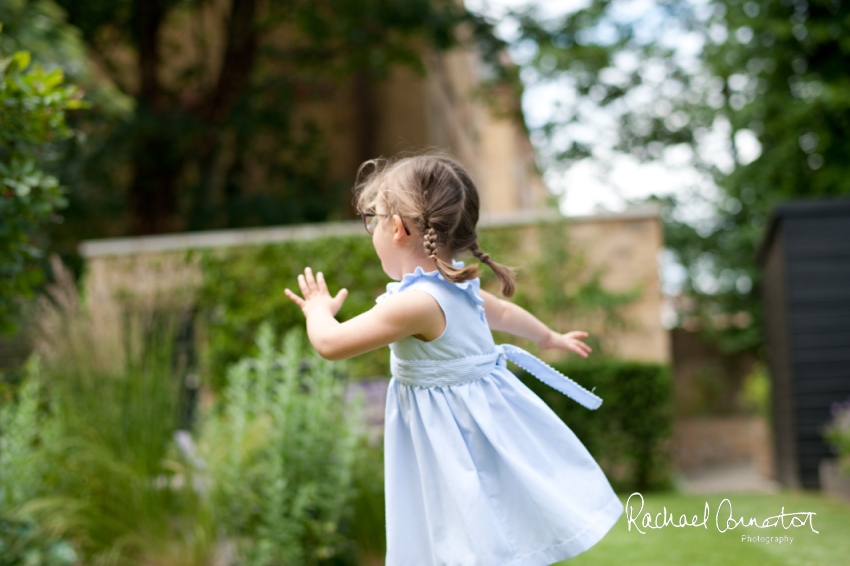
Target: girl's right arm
{"points": [[508, 317], [405, 314]]}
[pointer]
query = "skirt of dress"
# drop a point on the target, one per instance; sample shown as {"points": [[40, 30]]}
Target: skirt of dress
{"points": [[485, 474]]}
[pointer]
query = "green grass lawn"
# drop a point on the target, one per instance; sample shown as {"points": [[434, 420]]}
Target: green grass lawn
{"points": [[701, 546]]}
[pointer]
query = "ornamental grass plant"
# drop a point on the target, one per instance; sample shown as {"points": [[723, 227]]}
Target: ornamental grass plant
{"points": [[109, 395], [97, 468]]}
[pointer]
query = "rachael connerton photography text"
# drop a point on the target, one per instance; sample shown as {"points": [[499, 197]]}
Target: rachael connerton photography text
{"points": [[724, 519]]}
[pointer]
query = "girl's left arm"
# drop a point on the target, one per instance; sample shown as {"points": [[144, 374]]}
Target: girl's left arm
{"points": [[392, 319], [506, 316]]}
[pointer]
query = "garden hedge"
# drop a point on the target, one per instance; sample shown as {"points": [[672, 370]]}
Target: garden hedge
{"points": [[244, 287], [629, 434]]}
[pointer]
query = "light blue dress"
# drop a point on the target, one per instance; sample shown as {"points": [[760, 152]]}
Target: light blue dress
{"points": [[478, 470]]}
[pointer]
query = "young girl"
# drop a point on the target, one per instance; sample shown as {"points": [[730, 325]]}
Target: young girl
{"points": [[478, 470]]}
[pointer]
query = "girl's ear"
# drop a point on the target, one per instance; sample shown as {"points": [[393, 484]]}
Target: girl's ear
{"points": [[399, 233]]}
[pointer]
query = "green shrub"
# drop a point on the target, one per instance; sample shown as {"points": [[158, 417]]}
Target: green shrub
{"points": [[22, 458], [23, 543], [628, 434], [104, 441], [92, 461], [280, 449], [367, 524], [33, 103], [244, 288], [27, 435], [837, 434], [113, 487], [754, 395]]}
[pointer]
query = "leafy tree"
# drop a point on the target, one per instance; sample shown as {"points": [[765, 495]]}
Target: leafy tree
{"points": [[33, 103], [212, 140], [784, 72], [761, 110], [39, 27]]}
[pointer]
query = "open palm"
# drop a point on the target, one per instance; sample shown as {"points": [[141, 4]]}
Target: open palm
{"points": [[315, 293]]}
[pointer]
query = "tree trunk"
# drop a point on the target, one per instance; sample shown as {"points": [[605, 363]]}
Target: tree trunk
{"points": [[158, 160], [366, 124], [152, 190], [233, 81]]}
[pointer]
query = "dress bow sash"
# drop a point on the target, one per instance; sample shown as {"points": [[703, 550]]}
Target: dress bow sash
{"points": [[548, 375], [442, 373]]}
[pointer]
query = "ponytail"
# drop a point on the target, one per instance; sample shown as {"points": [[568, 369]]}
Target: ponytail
{"points": [[504, 274]]}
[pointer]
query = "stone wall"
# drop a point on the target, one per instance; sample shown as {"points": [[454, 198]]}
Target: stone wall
{"points": [[412, 112], [626, 247], [833, 481], [722, 442], [158, 270]]}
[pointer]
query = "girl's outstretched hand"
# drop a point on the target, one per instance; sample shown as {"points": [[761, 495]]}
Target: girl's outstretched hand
{"points": [[570, 341], [316, 294]]}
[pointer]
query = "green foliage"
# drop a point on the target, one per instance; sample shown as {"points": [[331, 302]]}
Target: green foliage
{"points": [[21, 464], [21, 543], [628, 434], [91, 466], [837, 434], [116, 435], [280, 451], [92, 459], [788, 85], [39, 27], [245, 287], [220, 138], [32, 116], [755, 393], [367, 523], [27, 437], [770, 70]]}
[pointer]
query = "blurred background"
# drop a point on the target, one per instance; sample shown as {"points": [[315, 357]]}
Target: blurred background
{"points": [[671, 176]]}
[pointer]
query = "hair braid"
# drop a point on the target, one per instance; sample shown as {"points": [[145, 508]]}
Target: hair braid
{"points": [[482, 257], [504, 273], [431, 242]]}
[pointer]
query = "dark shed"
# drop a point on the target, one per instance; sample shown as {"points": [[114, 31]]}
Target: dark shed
{"points": [[806, 291]]}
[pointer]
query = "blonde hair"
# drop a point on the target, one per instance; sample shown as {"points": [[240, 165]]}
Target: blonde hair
{"points": [[439, 197]]}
